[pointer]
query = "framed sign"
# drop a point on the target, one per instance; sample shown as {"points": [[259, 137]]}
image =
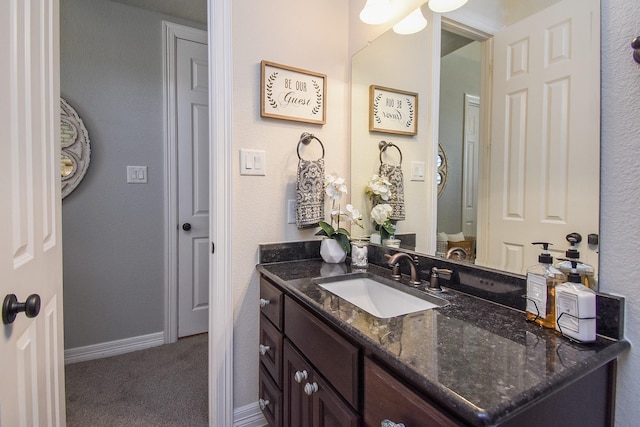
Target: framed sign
{"points": [[292, 93], [393, 111]]}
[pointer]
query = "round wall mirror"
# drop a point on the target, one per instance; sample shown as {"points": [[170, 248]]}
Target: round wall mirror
{"points": [[75, 148], [441, 177]]}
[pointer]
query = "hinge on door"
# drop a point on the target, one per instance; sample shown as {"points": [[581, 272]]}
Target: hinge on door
{"points": [[213, 248]]}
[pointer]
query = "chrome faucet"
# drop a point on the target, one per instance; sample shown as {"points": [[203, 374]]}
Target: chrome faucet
{"points": [[434, 285], [394, 261]]}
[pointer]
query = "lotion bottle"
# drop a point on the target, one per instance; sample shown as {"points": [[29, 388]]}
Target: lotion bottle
{"points": [[576, 308], [542, 280]]}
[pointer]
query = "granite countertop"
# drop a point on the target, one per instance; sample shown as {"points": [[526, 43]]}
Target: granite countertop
{"points": [[481, 360]]}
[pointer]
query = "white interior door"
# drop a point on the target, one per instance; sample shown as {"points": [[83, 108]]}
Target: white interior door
{"points": [[545, 134], [470, 164], [31, 349], [193, 186]]}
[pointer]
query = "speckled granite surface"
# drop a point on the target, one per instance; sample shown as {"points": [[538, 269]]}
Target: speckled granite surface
{"points": [[480, 360]]}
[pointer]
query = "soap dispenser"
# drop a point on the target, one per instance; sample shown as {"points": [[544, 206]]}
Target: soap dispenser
{"points": [[586, 271], [576, 308], [542, 280]]}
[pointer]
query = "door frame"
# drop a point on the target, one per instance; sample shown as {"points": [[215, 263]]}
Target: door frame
{"points": [[220, 222], [220, 157]]}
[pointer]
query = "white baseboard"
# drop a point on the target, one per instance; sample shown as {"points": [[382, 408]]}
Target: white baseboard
{"points": [[112, 348], [248, 416]]}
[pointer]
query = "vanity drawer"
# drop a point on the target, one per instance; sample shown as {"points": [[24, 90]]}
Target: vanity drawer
{"points": [[271, 301], [269, 399], [385, 398], [332, 356], [270, 349]]}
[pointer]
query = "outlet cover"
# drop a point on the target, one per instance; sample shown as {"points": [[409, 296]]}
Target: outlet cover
{"points": [[291, 211], [136, 174]]}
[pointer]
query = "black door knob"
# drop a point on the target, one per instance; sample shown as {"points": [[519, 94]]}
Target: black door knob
{"points": [[186, 226], [11, 307]]}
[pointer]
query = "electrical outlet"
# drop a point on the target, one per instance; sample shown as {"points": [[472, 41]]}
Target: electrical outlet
{"points": [[291, 211]]}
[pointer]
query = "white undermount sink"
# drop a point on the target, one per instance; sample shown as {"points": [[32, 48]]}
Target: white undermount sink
{"points": [[376, 298]]}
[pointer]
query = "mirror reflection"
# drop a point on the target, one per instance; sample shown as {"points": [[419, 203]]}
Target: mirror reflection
{"points": [[510, 91]]}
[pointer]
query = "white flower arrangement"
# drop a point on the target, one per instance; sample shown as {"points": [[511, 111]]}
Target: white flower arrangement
{"points": [[378, 189], [335, 188]]}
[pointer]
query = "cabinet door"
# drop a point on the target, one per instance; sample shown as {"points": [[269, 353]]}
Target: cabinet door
{"points": [[328, 409], [296, 374], [385, 398], [270, 399]]}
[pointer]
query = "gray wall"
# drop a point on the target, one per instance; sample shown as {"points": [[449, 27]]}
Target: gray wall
{"points": [[459, 74], [111, 73]]}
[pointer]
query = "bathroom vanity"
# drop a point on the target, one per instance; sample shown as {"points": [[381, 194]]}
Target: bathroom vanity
{"points": [[326, 362]]}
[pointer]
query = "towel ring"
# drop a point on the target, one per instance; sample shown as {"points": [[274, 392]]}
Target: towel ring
{"points": [[305, 139], [383, 145]]}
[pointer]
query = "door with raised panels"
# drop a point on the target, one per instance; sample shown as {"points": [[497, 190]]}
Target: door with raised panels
{"points": [[545, 135], [31, 343]]}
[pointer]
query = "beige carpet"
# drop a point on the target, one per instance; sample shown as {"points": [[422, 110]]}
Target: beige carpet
{"points": [[160, 386]]}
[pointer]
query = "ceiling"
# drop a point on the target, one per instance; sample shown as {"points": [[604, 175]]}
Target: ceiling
{"points": [[191, 10]]}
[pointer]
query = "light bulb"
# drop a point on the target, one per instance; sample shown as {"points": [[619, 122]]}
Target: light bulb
{"points": [[376, 12], [412, 23], [442, 6]]}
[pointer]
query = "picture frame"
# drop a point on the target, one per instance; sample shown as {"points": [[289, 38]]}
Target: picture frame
{"points": [[290, 93], [393, 111]]}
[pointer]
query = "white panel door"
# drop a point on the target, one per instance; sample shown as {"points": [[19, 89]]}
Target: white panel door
{"points": [[193, 187], [470, 164], [31, 348], [545, 135]]}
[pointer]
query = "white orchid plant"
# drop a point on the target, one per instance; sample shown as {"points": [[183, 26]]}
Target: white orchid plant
{"points": [[381, 215], [379, 190], [335, 188]]}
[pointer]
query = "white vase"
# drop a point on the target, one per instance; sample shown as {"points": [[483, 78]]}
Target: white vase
{"points": [[332, 252]]}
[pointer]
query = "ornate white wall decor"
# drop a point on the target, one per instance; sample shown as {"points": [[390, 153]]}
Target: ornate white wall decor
{"points": [[75, 148]]}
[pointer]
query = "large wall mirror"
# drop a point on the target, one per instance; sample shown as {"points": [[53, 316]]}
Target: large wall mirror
{"points": [[511, 92]]}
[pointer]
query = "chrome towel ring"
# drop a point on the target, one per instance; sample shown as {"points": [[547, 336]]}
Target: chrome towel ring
{"points": [[383, 145], [306, 139]]}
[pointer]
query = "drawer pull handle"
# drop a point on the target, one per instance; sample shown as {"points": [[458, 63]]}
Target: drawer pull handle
{"points": [[309, 389], [264, 302], [263, 403], [387, 423], [301, 376], [263, 349]]}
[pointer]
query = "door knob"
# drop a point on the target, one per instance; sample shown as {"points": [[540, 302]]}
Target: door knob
{"points": [[186, 226], [11, 307]]}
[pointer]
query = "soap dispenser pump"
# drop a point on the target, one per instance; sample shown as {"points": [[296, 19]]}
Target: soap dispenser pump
{"points": [[576, 307], [542, 280], [586, 271]]}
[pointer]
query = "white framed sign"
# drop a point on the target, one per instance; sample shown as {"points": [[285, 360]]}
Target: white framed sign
{"points": [[290, 93], [393, 111]]}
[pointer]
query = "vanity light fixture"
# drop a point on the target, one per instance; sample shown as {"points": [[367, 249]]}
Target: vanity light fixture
{"points": [[442, 6], [376, 12], [412, 23]]}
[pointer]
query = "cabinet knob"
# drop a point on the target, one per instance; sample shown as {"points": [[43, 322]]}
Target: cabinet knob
{"points": [[263, 403], [264, 302], [301, 376], [387, 423], [263, 349], [309, 389]]}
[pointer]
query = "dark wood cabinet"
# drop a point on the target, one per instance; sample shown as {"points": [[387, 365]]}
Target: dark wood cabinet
{"points": [[313, 375], [386, 398], [309, 400]]}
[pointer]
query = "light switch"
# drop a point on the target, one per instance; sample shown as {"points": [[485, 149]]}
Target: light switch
{"points": [[252, 162], [417, 171], [136, 174]]}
